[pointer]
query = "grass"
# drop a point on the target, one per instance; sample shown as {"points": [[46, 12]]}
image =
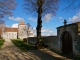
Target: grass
{"points": [[1, 42], [22, 45]]}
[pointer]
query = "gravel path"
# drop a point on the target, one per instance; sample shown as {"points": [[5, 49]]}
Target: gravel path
{"points": [[10, 52]]}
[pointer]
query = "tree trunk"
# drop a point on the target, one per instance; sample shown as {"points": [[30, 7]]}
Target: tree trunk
{"points": [[39, 42]]}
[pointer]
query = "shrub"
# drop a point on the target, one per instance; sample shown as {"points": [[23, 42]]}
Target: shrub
{"points": [[25, 39], [1, 42], [18, 38]]}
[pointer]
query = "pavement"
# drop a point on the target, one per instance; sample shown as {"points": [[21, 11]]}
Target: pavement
{"points": [[10, 52]]}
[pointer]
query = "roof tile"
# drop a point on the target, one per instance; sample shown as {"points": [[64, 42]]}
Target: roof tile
{"points": [[8, 29]]}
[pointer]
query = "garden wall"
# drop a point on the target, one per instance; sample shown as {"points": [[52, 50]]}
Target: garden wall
{"points": [[50, 41]]}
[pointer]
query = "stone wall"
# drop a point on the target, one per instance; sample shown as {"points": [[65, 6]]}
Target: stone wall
{"points": [[77, 45], [55, 42], [32, 40], [50, 41]]}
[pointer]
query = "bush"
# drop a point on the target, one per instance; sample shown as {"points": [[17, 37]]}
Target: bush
{"points": [[25, 39], [1, 42], [18, 38]]}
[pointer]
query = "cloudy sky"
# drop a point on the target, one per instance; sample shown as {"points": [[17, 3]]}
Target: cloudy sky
{"points": [[50, 23]]}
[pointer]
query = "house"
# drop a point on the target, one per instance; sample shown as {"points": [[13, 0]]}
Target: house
{"points": [[14, 33]]}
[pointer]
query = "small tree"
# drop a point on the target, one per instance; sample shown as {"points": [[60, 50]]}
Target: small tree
{"points": [[2, 26], [28, 30]]}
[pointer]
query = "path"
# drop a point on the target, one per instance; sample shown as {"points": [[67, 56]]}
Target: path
{"points": [[11, 52]]}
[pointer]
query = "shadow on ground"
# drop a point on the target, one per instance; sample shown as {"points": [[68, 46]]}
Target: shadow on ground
{"points": [[10, 52], [46, 54]]}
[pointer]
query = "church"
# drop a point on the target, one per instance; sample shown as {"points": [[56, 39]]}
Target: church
{"points": [[15, 33]]}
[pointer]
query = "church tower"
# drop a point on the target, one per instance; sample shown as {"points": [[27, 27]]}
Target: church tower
{"points": [[21, 30]]}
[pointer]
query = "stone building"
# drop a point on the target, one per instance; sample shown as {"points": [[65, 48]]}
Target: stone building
{"points": [[69, 38], [21, 32], [14, 33]]}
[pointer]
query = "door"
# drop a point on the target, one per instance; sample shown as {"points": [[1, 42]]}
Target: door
{"points": [[67, 43]]}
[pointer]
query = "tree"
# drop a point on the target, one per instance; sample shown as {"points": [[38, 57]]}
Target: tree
{"points": [[2, 26], [5, 8], [72, 5], [40, 7], [28, 30]]}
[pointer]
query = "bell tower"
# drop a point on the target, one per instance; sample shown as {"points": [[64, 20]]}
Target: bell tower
{"points": [[21, 30]]}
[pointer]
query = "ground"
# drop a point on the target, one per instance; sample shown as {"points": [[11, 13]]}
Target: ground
{"points": [[10, 52]]}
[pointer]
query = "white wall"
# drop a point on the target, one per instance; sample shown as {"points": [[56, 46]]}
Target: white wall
{"points": [[9, 35], [21, 32]]}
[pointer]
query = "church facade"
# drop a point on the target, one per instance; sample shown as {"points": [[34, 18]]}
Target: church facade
{"points": [[14, 33]]}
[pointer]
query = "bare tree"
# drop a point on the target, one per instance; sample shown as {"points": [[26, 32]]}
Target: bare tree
{"points": [[72, 5], [28, 30], [6, 7], [40, 7], [2, 26]]}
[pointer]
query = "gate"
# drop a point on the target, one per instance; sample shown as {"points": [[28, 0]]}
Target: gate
{"points": [[67, 43]]}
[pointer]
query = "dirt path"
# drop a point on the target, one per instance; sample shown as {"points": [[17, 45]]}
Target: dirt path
{"points": [[10, 52]]}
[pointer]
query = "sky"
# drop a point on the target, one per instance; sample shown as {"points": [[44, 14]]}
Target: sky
{"points": [[49, 24]]}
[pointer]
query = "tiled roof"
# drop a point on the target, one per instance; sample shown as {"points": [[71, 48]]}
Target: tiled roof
{"points": [[8, 29], [22, 22]]}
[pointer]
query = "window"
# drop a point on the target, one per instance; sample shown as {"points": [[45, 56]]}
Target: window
{"points": [[12, 33]]}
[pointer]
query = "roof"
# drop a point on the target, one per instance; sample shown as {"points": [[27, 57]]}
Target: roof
{"points": [[67, 25], [22, 22], [8, 29]]}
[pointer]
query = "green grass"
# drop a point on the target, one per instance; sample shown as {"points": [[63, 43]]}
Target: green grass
{"points": [[1, 42], [22, 45]]}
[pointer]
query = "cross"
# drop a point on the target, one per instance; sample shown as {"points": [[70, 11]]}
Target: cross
{"points": [[65, 22]]}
